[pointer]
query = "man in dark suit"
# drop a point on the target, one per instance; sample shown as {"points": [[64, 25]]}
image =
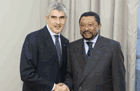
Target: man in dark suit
{"points": [[95, 63], [43, 57]]}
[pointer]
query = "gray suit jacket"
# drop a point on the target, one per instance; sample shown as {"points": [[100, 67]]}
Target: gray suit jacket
{"points": [[103, 71]]}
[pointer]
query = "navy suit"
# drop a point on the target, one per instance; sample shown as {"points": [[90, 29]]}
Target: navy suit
{"points": [[39, 64]]}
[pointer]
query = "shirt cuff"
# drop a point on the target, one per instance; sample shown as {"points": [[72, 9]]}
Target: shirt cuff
{"points": [[53, 87]]}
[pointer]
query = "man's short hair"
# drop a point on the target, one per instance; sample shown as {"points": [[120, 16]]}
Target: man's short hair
{"points": [[56, 6], [91, 14]]}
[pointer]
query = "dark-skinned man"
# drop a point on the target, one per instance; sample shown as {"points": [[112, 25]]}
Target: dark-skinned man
{"points": [[95, 63]]}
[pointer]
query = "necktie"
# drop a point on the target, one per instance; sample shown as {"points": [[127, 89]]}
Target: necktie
{"points": [[57, 45], [90, 48]]}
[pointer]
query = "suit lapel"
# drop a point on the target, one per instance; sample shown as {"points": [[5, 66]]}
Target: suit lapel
{"points": [[80, 54], [63, 48], [48, 42], [97, 52]]}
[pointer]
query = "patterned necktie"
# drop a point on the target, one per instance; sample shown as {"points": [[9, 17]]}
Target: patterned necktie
{"points": [[90, 48], [57, 45]]}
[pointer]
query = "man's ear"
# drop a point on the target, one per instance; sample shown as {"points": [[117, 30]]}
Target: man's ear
{"points": [[99, 32], [99, 26], [65, 19], [46, 18]]}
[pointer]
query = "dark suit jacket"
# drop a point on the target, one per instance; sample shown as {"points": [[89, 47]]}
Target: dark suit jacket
{"points": [[103, 71], [39, 64]]}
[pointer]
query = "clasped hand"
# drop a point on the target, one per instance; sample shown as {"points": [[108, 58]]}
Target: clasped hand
{"points": [[61, 87]]}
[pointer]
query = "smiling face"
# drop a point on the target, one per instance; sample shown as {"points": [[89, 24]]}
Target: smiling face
{"points": [[56, 21], [88, 26]]}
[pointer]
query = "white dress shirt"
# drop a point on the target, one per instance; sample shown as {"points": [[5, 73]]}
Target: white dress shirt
{"points": [[86, 45], [53, 38]]}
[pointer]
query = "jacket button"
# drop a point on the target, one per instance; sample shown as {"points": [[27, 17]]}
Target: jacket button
{"points": [[79, 87]]}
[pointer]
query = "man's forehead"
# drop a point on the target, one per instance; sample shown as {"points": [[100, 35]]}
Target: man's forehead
{"points": [[88, 19]]}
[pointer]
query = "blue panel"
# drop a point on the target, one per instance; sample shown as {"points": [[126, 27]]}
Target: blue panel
{"points": [[137, 79]]}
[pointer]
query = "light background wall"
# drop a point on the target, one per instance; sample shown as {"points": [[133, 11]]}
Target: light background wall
{"points": [[17, 19]]}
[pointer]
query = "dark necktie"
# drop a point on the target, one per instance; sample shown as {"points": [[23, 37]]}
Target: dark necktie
{"points": [[90, 48], [57, 45]]}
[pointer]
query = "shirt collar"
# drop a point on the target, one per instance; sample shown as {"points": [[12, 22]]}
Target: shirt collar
{"points": [[94, 40], [51, 33]]}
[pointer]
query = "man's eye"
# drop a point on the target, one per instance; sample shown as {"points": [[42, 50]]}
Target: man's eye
{"points": [[53, 17], [81, 25], [61, 17], [90, 25]]}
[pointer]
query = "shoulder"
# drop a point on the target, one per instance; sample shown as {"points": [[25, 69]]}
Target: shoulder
{"points": [[35, 35], [110, 43], [75, 43], [65, 39]]}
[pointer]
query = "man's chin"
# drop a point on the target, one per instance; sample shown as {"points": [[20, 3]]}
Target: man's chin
{"points": [[57, 31], [88, 38]]}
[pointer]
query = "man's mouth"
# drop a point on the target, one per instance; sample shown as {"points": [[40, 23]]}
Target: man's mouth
{"points": [[57, 27], [87, 33]]}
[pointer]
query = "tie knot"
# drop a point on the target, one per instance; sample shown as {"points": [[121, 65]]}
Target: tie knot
{"points": [[56, 36], [89, 43]]}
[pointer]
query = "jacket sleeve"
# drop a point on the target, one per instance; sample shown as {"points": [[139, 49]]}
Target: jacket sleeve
{"points": [[118, 69], [28, 66], [69, 76]]}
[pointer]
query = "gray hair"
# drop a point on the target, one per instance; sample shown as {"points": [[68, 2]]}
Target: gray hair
{"points": [[56, 6]]}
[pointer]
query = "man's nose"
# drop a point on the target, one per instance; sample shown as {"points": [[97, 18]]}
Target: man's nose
{"points": [[58, 21], [86, 27]]}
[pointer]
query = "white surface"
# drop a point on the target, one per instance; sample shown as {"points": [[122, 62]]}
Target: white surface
{"points": [[17, 19]]}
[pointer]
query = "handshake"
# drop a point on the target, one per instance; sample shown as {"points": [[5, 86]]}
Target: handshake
{"points": [[61, 87]]}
